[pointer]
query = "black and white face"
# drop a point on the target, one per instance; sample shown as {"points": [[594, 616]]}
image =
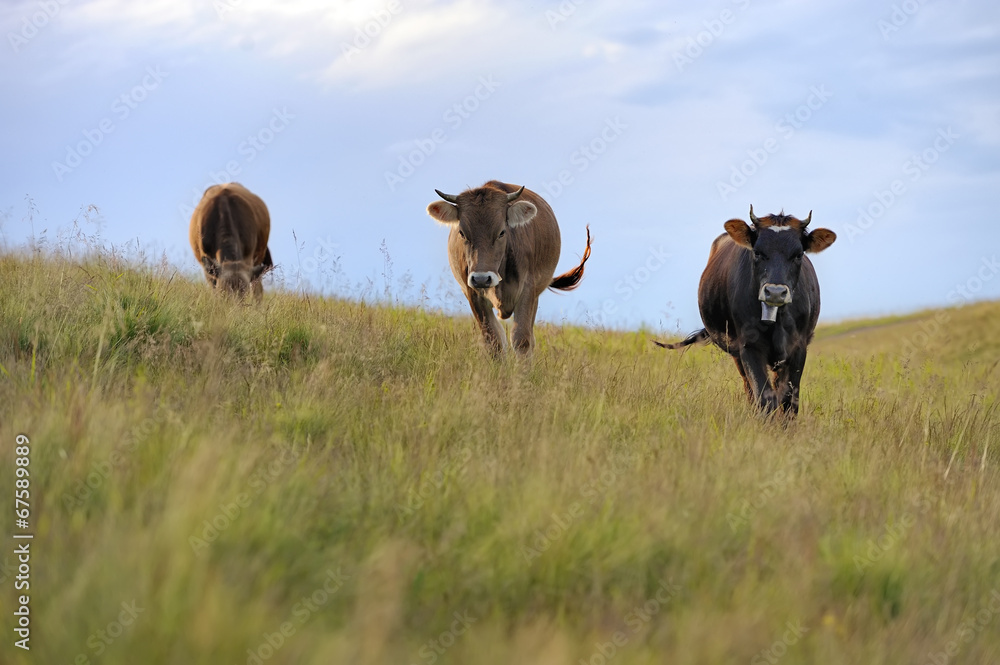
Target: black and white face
{"points": [[778, 244], [777, 262]]}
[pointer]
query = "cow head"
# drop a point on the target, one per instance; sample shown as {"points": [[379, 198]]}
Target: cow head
{"points": [[778, 243], [232, 277], [482, 218]]}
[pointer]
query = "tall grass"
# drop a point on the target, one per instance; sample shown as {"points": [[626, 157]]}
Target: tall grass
{"points": [[318, 481]]}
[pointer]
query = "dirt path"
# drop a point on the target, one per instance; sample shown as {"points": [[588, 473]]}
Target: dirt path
{"points": [[877, 326]]}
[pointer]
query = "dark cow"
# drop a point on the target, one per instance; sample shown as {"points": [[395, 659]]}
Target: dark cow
{"points": [[229, 231], [503, 249], [759, 301]]}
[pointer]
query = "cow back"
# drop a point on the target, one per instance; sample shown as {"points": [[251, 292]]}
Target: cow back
{"points": [[230, 224]]}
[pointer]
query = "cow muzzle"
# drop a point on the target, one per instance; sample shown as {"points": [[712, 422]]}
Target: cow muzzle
{"points": [[483, 280], [773, 296]]}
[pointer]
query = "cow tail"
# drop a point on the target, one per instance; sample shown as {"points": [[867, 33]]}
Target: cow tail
{"points": [[225, 214], [265, 266], [570, 280], [227, 223], [697, 337]]}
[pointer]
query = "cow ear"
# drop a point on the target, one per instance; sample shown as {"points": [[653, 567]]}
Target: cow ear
{"points": [[520, 213], [818, 240], [443, 212], [210, 265], [741, 234]]}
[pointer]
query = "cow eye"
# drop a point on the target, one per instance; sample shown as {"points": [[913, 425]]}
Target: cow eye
{"points": [[797, 256], [502, 234], [461, 235], [757, 256]]}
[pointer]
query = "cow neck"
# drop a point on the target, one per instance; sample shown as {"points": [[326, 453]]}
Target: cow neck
{"points": [[508, 264]]}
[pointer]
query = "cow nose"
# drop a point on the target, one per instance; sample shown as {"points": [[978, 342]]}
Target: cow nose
{"points": [[776, 293], [482, 280]]}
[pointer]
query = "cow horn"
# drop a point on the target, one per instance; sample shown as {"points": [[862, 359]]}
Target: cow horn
{"points": [[447, 197], [753, 217], [807, 219], [513, 197]]}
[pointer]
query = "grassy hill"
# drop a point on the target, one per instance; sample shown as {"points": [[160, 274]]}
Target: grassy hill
{"points": [[313, 481]]}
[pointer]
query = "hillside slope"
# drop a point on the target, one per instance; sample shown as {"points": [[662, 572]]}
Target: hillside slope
{"points": [[313, 481], [950, 336]]}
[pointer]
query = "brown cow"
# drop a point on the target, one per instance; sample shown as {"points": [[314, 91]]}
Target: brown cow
{"points": [[503, 249], [229, 230]]}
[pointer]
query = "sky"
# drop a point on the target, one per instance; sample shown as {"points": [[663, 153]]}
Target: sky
{"points": [[651, 122]]}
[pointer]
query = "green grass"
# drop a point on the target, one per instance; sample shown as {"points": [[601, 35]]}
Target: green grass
{"points": [[605, 491]]}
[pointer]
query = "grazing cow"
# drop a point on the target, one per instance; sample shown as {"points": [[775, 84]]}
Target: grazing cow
{"points": [[759, 301], [229, 231], [503, 249]]}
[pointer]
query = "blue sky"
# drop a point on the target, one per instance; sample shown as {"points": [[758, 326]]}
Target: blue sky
{"points": [[652, 122]]}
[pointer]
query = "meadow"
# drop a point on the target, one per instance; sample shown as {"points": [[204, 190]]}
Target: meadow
{"points": [[318, 481]]}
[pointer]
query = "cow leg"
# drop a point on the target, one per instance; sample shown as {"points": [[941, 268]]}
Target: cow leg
{"points": [[523, 333], [743, 374], [758, 375], [258, 286], [788, 380], [492, 331]]}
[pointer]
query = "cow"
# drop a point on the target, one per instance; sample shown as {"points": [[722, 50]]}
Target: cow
{"points": [[503, 248], [759, 301], [228, 233]]}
